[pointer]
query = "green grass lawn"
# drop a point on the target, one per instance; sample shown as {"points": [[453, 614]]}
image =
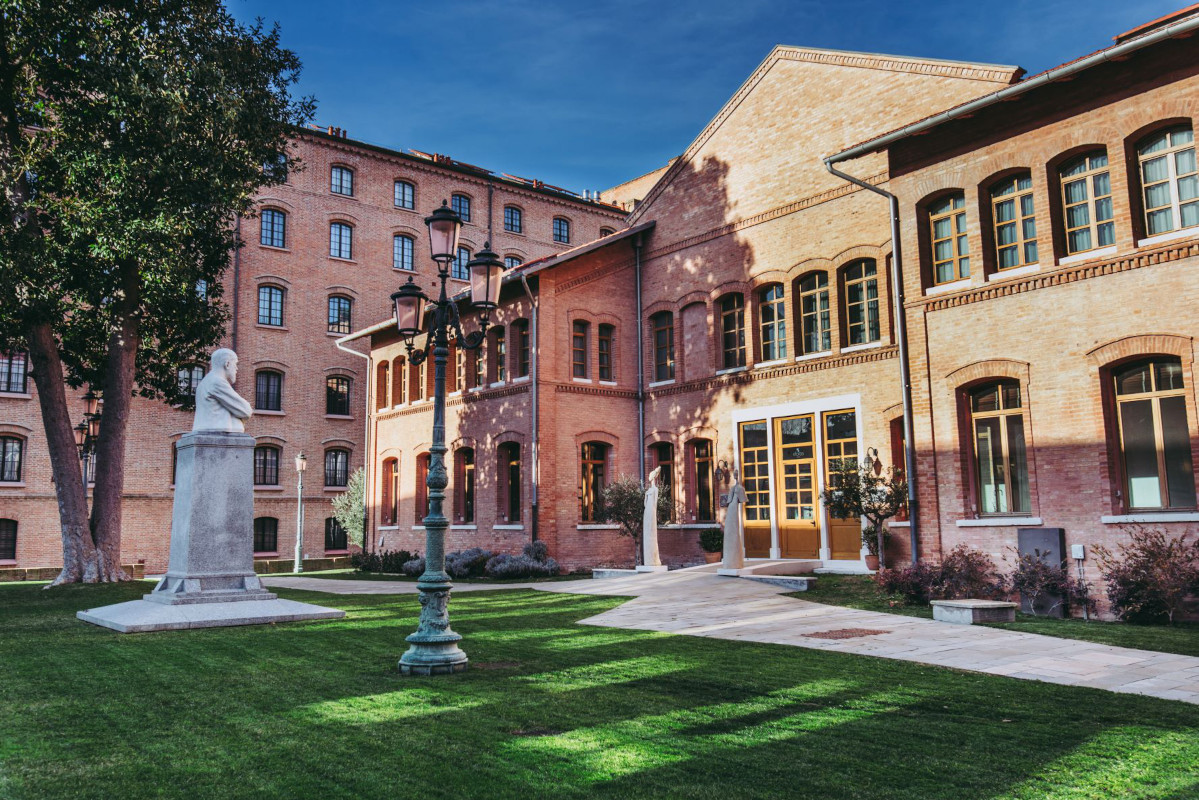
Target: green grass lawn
{"points": [[857, 591], [355, 575], [549, 709]]}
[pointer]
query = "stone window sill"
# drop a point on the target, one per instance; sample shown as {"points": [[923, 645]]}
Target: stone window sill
{"points": [[520, 379], [1089, 255], [999, 522], [339, 416], [7, 562], [334, 488], [267, 327], [267, 488], [343, 260], [516, 527], [731, 370], [656, 384], [899, 524], [275, 248], [778, 362], [853, 348], [262, 412], [16, 485], [608, 383], [464, 527], [1150, 517], [586, 526], [267, 554], [16, 396], [1013, 272], [952, 286], [1161, 238], [337, 552]]}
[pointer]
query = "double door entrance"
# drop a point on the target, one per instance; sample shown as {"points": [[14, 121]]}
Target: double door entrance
{"points": [[780, 463]]}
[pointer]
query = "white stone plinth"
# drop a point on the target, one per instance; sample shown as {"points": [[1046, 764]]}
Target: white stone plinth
{"points": [[970, 612], [141, 616], [652, 568]]}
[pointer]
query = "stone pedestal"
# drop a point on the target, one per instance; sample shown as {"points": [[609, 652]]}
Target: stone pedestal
{"points": [[972, 612], [210, 579]]}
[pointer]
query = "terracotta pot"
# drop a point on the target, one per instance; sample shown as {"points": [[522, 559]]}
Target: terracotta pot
{"points": [[712, 558], [872, 563]]}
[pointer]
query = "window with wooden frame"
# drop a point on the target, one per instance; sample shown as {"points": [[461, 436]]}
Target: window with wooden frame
{"points": [[459, 368], [12, 451], [272, 229], [189, 378], [399, 386], [1014, 222], [578, 348], [662, 333], [339, 317], [593, 467], [480, 369], [266, 465], [702, 496], [561, 230], [499, 353], [266, 535], [755, 471], [607, 335], [816, 319], [523, 347], [405, 195], [732, 331], [460, 205], [950, 247], [458, 267], [861, 302], [422, 488], [898, 458], [335, 535], [268, 390], [1155, 439], [8, 540], [1169, 180], [512, 261], [337, 395], [772, 313], [514, 220], [402, 248], [337, 467], [381, 375], [341, 240], [464, 485], [416, 380], [14, 373], [509, 482], [662, 457], [1000, 458], [341, 181], [389, 496], [270, 306], [1087, 202]]}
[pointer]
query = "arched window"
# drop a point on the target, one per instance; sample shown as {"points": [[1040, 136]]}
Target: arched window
{"points": [[389, 495], [701, 497], [606, 232], [268, 390], [270, 305], [12, 451], [266, 535], [335, 535], [815, 314], [417, 379], [8, 540], [950, 247], [337, 395], [339, 314], [341, 240], [499, 354], [337, 467], [480, 369], [405, 195], [663, 458], [341, 181], [561, 230], [662, 333], [399, 385], [732, 331], [401, 252], [189, 379], [578, 348], [422, 488], [1155, 439], [381, 375], [607, 338], [266, 465], [1014, 222], [1087, 202], [458, 265], [14, 370], [272, 229], [464, 485], [514, 221], [521, 331], [1169, 180], [773, 322], [512, 261], [593, 467], [1000, 458], [861, 302], [509, 482], [460, 204]]}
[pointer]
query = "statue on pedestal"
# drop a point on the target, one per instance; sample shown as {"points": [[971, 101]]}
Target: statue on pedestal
{"points": [[649, 522], [218, 406], [734, 535]]}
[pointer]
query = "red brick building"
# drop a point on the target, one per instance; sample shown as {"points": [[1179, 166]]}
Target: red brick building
{"points": [[745, 319], [327, 250]]}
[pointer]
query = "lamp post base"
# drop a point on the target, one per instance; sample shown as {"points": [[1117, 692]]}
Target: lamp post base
{"points": [[434, 649]]}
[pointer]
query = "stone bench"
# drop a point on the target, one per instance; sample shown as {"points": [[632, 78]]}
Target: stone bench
{"points": [[970, 612]]}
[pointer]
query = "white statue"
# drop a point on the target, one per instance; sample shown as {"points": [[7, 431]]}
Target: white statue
{"points": [[734, 534], [649, 522], [218, 406]]}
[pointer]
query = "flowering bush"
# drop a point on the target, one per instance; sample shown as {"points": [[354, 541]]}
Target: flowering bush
{"points": [[963, 572], [1046, 586], [1150, 576], [391, 561], [468, 563]]}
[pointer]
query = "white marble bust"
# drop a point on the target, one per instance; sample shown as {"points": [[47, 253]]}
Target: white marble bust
{"points": [[218, 406]]}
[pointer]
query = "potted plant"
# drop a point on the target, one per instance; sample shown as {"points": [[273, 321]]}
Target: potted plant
{"points": [[711, 541], [867, 491]]}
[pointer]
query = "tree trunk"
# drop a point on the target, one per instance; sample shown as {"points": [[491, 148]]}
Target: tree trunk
{"points": [[119, 371], [78, 549]]}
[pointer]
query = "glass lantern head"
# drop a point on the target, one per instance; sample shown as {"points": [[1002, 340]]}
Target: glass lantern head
{"points": [[444, 225], [409, 304], [486, 273]]}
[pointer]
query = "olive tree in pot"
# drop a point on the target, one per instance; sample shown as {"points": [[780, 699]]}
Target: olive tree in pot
{"points": [[711, 541], [868, 492], [623, 502]]}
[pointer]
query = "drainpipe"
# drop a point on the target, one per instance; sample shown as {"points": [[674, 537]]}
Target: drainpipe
{"points": [[236, 280], [640, 364], [366, 436], [901, 333], [535, 449]]}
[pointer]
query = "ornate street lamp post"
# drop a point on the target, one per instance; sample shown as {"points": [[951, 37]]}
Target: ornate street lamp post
{"points": [[301, 465], [434, 647], [87, 433]]}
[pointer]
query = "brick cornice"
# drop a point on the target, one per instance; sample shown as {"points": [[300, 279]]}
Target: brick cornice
{"points": [[600, 391], [451, 402], [788, 370]]}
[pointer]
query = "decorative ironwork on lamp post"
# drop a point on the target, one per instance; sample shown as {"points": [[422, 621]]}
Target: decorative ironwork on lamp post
{"points": [[435, 647], [301, 465], [87, 434]]}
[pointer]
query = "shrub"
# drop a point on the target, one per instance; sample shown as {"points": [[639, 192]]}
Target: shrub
{"points": [[963, 572], [914, 583], [1046, 586], [522, 566], [390, 561], [537, 551], [1150, 575], [467, 563], [414, 568], [711, 540]]}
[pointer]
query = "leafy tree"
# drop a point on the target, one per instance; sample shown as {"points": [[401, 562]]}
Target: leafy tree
{"points": [[858, 491], [132, 141], [349, 507], [623, 502]]}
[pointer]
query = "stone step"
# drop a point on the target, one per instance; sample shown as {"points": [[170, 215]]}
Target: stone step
{"points": [[794, 583]]}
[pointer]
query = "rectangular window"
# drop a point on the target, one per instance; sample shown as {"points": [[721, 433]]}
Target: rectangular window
{"points": [[522, 348], [732, 331], [11, 452], [861, 302], [702, 464], [273, 230], [606, 332], [458, 265], [1001, 459], [662, 327], [501, 356], [405, 195], [401, 253], [266, 466], [337, 467], [422, 488], [950, 247], [815, 314], [513, 220], [14, 372], [1154, 435], [8, 540], [480, 369], [561, 230], [337, 395], [460, 205], [341, 181], [593, 466], [341, 240], [464, 477], [755, 473], [773, 314], [270, 305], [1170, 180], [1015, 224], [268, 391], [1087, 201], [266, 535], [335, 535], [339, 314], [510, 482], [578, 349]]}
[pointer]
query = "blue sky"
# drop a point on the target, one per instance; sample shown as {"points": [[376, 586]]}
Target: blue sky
{"points": [[588, 93]]}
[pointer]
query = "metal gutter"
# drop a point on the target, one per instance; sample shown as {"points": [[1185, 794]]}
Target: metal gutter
{"points": [[366, 433], [640, 364], [535, 444]]}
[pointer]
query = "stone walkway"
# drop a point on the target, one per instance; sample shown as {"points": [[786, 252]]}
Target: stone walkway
{"points": [[694, 603]]}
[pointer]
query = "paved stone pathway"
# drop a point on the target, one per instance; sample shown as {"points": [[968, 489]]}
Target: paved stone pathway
{"points": [[694, 603]]}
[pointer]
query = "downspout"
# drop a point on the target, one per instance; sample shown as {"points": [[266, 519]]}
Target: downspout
{"points": [[236, 280], [640, 364], [534, 449], [366, 437], [901, 333]]}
